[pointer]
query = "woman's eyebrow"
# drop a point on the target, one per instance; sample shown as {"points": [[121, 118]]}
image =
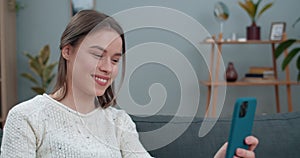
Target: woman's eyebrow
{"points": [[104, 50], [100, 48], [118, 54]]}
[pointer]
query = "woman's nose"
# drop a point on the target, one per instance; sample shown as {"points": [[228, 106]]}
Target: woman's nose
{"points": [[105, 65]]}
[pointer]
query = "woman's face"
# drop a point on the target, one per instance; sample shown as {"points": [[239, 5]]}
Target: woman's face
{"points": [[94, 63]]}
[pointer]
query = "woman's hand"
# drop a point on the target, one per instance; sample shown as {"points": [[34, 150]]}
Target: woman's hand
{"points": [[251, 141]]}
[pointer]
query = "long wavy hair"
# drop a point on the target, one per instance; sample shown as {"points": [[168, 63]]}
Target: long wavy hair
{"points": [[81, 24]]}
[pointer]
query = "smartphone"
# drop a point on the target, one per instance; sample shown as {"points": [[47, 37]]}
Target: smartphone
{"points": [[241, 124]]}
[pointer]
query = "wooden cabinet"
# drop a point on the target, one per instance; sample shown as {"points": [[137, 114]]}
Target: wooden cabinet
{"points": [[213, 84], [8, 93]]}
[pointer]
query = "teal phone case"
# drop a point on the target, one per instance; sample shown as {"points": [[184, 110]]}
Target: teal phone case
{"points": [[241, 124]]}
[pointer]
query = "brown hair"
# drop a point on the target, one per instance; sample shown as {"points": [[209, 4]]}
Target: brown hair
{"points": [[81, 25]]}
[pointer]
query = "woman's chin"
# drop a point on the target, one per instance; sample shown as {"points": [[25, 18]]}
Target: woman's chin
{"points": [[100, 93]]}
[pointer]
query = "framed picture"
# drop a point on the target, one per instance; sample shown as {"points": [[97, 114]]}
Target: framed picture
{"points": [[77, 5], [277, 30]]}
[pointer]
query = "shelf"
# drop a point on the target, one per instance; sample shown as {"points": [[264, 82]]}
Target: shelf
{"points": [[243, 83], [215, 67], [248, 42], [243, 42]]}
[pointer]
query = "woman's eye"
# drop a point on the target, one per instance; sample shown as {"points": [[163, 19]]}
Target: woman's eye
{"points": [[98, 56], [115, 60]]}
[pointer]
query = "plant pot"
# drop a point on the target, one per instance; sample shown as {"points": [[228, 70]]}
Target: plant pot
{"points": [[253, 32]]}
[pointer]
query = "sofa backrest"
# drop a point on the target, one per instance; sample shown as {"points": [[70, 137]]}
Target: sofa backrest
{"points": [[279, 136]]}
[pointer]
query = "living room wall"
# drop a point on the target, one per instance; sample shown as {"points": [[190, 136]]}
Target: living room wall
{"points": [[41, 22]]}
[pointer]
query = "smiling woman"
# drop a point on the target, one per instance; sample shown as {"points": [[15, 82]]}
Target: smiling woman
{"points": [[78, 118]]}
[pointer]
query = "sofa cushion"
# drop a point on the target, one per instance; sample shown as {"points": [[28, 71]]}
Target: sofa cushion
{"points": [[279, 136]]}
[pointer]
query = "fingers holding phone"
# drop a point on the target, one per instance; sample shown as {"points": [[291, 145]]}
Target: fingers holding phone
{"points": [[239, 143]]}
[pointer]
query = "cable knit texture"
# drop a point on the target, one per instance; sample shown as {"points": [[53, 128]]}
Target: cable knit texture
{"points": [[44, 128]]}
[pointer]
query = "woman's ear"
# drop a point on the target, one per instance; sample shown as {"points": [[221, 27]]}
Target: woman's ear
{"points": [[66, 51]]}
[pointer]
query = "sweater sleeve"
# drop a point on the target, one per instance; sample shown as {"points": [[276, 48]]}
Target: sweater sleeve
{"points": [[130, 144], [18, 138]]}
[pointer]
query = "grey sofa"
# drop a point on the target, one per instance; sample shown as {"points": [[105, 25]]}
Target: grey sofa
{"points": [[279, 136]]}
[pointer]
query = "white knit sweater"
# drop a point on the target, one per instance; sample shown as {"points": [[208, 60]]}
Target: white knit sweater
{"points": [[43, 127]]}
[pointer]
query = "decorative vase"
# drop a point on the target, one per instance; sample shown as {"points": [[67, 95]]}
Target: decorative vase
{"points": [[231, 73], [253, 32]]}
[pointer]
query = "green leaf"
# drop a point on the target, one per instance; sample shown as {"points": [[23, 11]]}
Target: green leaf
{"points": [[29, 77], [39, 65], [51, 66], [29, 56], [44, 54], [256, 7], [298, 63], [251, 8], [38, 90], [266, 7], [35, 66], [289, 57], [298, 66], [48, 70], [296, 22], [257, 3], [50, 79], [248, 7], [283, 46]]}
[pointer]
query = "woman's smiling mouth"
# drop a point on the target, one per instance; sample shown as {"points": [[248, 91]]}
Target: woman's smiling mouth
{"points": [[101, 80]]}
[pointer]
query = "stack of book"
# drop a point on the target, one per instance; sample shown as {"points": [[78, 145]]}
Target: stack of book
{"points": [[256, 74]]}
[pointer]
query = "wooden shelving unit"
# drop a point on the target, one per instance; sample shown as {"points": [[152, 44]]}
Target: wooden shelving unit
{"points": [[244, 83], [8, 90], [215, 68]]}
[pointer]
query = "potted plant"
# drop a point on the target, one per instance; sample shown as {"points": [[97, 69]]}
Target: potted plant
{"points": [[291, 54], [254, 11], [41, 68]]}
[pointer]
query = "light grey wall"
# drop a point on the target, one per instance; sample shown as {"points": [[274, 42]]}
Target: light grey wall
{"points": [[42, 22]]}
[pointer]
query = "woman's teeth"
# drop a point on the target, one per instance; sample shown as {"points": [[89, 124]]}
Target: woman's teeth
{"points": [[101, 80]]}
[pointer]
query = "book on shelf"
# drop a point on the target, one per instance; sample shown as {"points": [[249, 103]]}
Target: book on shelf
{"points": [[254, 75], [259, 70], [259, 74]]}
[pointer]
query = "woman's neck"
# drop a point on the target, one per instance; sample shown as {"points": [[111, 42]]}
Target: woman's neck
{"points": [[79, 101]]}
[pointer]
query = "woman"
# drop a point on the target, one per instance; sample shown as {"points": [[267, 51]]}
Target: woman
{"points": [[77, 119]]}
